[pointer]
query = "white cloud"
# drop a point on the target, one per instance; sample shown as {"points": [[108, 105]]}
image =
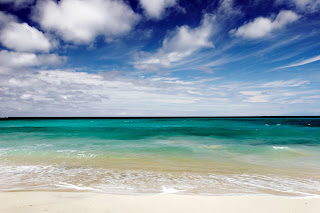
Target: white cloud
{"points": [[80, 21], [261, 27], [69, 93], [17, 3], [53, 88], [6, 18], [27, 42], [59, 77], [307, 5], [289, 83], [279, 92], [171, 80], [304, 6], [226, 11], [180, 44], [306, 61], [255, 97], [10, 59], [21, 37], [155, 8]]}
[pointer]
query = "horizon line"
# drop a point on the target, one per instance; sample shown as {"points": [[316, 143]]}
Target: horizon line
{"points": [[150, 117]]}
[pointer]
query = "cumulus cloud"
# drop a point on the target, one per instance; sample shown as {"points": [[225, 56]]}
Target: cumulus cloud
{"points": [[24, 38], [6, 18], [20, 36], [17, 4], [155, 8], [80, 21], [180, 44], [261, 26], [10, 59], [30, 46]]}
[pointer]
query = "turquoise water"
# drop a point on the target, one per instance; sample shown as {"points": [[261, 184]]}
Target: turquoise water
{"points": [[194, 155]]}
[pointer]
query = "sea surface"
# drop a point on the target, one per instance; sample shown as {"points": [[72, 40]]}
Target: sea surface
{"points": [[212, 156]]}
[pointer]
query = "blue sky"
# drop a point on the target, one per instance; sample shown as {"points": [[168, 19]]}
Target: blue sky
{"points": [[159, 58]]}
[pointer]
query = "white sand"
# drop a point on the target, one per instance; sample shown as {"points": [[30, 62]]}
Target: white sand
{"points": [[78, 202]]}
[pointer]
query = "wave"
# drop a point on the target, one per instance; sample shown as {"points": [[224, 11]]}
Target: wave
{"points": [[213, 146], [72, 186], [36, 177], [170, 190], [280, 147]]}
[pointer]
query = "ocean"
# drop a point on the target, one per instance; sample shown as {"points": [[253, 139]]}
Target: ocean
{"points": [[211, 156]]}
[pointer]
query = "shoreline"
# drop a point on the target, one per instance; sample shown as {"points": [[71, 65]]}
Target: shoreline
{"points": [[169, 191], [44, 201]]}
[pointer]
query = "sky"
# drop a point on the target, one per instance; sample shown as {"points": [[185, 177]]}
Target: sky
{"points": [[159, 57]]}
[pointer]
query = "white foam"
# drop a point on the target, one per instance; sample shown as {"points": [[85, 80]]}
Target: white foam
{"points": [[280, 147], [43, 145], [71, 186], [170, 190], [67, 150], [81, 155], [131, 181], [213, 146]]}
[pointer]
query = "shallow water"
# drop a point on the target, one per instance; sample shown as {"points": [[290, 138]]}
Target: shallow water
{"points": [[176, 155]]}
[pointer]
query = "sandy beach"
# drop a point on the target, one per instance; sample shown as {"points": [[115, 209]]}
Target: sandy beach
{"points": [[81, 202]]}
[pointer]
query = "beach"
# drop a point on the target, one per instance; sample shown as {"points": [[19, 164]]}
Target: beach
{"points": [[159, 106], [82, 202]]}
